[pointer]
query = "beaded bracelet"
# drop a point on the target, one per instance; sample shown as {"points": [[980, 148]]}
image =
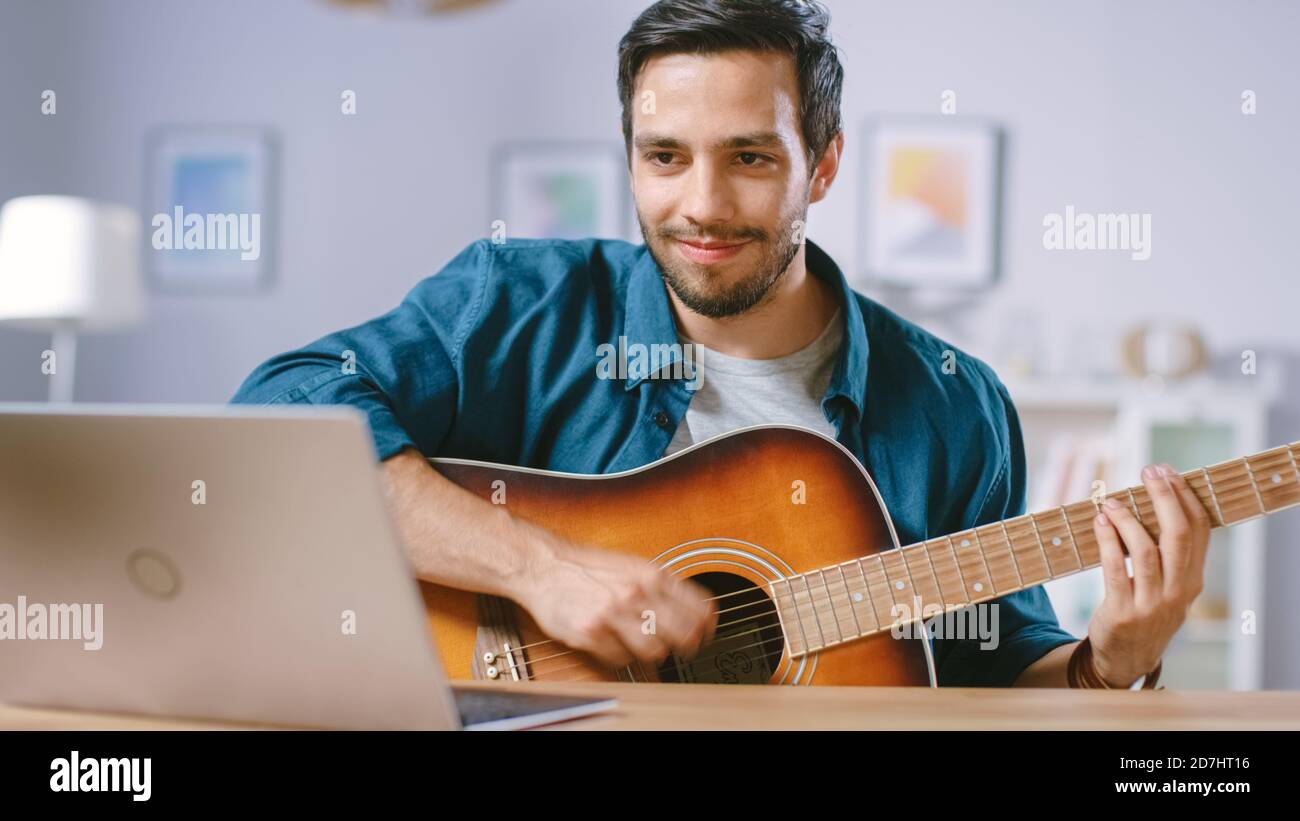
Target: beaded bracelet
{"points": [[1082, 673]]}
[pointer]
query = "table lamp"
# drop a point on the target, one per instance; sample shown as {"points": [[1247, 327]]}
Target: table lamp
{"points": [[69, 265]]}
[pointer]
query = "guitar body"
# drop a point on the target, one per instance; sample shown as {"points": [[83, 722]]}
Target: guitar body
{"points": [[734, 514]]}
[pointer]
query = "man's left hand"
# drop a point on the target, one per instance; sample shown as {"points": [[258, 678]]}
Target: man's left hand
{"points": [[1138, 616]]}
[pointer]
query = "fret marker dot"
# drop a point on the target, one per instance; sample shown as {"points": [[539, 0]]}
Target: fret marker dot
{"points": [[1277, 477], [965, 542], [979, 586], [899, 585], [857, 597], [1056, 540]]}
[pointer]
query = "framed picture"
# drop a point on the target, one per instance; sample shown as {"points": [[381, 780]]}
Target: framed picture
{"points": [[931, 196], [561, 190], [208, 210]]}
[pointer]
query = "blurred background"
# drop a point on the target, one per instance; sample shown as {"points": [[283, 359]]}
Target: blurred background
{"points": [[376, 140]]}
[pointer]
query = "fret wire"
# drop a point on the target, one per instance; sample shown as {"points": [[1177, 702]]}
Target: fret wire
{"points": [[985, 559], [875, 614], [1191, 484], [943, 598], [1277, 476], [1041, 551], [979, 545], [1038, 537], [1010, 548], [1250, 471], [835, 618], [1084, 534], [812, 602], [798, 616], [839, 631], [888, 604], [889, 584], [1077, 555], [1137, 511], [1214, 496], [1294, 467], [912, 582], [849, 595], [960, 575]]}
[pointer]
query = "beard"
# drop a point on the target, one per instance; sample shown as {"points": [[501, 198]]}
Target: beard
{"points": [[702, 289]]}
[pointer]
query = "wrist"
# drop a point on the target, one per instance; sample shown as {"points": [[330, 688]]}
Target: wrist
{"points": [[1113, 680], [539, 553], [1085, 670]]}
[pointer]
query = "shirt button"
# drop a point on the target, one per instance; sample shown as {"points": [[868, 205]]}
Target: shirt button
{"points": [[661, 419]]}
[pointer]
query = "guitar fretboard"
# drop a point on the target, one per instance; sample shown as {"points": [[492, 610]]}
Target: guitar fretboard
{"points": [[833, 605]]}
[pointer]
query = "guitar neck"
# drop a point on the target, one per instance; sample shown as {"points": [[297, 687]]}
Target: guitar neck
{"points": [[837, 604]]}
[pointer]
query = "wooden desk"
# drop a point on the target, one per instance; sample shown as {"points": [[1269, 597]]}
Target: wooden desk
{"points": [[721, 707]]}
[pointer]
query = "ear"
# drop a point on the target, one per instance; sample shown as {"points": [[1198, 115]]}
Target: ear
{"points": [[827, 168]]}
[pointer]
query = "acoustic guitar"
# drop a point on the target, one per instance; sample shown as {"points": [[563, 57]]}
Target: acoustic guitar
{"points": [[788, 532]]}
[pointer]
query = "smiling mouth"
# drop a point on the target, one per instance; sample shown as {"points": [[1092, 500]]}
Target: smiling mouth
{"points": [[710, 252]]}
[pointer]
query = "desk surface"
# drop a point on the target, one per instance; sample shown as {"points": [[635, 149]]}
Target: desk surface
{"points": [[722, 707]]}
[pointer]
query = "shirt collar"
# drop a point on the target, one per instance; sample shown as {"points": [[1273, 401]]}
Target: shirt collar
{"points": [[650, 321]]}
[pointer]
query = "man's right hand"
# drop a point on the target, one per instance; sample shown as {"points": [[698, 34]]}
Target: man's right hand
{"points": [[590, 599], [617, 607]]}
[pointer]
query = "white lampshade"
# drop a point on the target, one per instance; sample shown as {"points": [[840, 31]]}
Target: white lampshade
{"points": [[69, 261]]}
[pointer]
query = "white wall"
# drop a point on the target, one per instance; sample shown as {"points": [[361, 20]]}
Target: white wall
{"points": [[1114, 106]]}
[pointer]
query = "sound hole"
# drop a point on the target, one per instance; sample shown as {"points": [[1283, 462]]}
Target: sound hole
{"points": [[747, 645]]}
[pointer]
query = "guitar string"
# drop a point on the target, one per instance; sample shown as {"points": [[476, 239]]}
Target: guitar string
{"points": [[842, 640], [813, 601], [777, 626], [764, 656], [569, 652], [535, 662], [777, 653]]}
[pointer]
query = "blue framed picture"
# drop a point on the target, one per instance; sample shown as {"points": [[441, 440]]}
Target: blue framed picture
{"points": [[561, 190], [208, 213]]}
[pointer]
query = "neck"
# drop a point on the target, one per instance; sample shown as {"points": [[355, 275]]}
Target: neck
{"points": [[790, 316], [893, 588]]}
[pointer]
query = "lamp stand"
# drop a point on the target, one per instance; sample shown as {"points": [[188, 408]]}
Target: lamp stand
{"points": [[63, 379]]}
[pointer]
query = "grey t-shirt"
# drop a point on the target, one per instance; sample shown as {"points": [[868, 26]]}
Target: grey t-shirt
{"points": [[736, 393]]}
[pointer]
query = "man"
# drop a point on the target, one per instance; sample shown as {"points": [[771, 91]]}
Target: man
{"points": [[731, 118]]}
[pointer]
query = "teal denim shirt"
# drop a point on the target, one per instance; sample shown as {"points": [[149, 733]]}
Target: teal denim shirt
{"points": [[494, 358]]}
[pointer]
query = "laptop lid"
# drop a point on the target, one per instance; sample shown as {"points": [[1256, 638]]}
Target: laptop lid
{"points": [[234, 563]]}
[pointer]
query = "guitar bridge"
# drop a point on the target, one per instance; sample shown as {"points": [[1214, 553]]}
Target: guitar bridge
{"points": [[497, 646]]}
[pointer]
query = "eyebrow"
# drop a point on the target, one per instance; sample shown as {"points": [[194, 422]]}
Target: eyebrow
{"points": [[757, 139]]}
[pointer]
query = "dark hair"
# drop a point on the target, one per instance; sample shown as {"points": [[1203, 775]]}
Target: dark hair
{"points": [[794, 27]]}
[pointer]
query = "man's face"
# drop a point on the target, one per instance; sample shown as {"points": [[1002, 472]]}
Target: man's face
{"points": [[719, 174]]}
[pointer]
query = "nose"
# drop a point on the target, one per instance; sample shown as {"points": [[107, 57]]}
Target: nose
{"points": [[708, 197]]}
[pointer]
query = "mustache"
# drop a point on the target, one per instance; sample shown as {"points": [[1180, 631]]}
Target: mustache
{"points": [[695, 235]]}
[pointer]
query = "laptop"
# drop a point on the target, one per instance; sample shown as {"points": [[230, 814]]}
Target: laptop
{"points": [[228, 562]]}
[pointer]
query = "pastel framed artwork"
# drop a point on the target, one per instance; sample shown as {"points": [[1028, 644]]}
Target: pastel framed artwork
{"points": [[931, 196]]}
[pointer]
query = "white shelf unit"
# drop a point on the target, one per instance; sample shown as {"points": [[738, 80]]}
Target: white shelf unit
{"points": [[1188, 425]]}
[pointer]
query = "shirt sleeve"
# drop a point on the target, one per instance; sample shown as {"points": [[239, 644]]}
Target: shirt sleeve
{"points": [[400, 369], [1027, 626]]}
